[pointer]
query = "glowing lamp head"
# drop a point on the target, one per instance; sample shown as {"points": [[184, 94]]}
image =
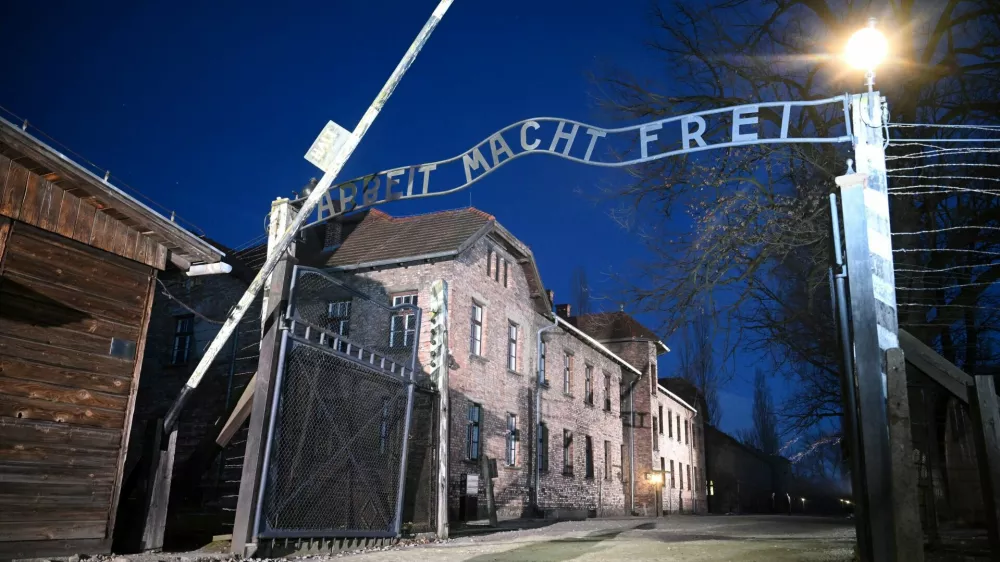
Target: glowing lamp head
{"points": [[867, 48]]}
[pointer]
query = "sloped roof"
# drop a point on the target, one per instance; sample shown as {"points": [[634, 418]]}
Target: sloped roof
{"points": [[381, 238], [615, 326]]}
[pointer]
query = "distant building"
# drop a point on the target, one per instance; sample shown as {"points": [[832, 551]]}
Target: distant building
{"points": [[742, 479], [663, 430]]}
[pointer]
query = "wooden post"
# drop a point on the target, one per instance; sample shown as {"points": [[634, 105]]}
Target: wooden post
{"points": [[909, 535], [986, 431], [270, 346], [933, 459], [161, 468], [491, 504]]}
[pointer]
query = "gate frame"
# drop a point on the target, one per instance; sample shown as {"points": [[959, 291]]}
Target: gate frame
{"points": [[289, 319]]}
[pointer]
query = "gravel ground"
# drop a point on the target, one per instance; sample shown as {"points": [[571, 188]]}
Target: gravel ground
{"points": [[687, 538]]}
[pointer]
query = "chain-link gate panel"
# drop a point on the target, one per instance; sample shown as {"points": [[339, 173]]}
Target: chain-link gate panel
{"points": [[338, 440]]}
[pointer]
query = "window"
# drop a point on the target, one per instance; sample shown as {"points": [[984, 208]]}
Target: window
{"points": [[543, 447], [512, 346], [622, 461], [511, 440], [588, 385], [541, 364], [686, 432], [476, 346], [607, 392], [339, 317], [711, 488], [567, 372], [489, 262], [689, 477], [472, 435], [670, 426], [623, 397], [403, 326], [607, 460], [656, 442], [383, 433], [567, 452], [504, 273], [496, 267], [589, 457], [680, 473], [661, 417], [672, 483], [183, 334], [678, 428]]}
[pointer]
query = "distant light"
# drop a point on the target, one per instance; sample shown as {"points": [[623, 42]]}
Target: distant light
{"points": [[867, 48]]}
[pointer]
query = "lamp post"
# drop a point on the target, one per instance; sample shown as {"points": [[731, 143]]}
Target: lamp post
{"points": [[868, 242]]}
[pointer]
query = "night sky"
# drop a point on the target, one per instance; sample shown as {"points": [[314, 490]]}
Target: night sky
{"points": [[208, 107]]}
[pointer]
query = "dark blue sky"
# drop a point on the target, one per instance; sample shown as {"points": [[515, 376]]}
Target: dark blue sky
{"points": [[208, 107]]}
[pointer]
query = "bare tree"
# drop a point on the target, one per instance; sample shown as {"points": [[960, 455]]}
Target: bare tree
{"points": [[760, 238], [697, 365], [763, 433], [580, 291]]}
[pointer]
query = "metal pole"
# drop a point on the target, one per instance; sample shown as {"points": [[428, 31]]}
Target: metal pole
{"points": [[444, 418], [308, 206], [848, 388], [873, 420], [407, 421]]}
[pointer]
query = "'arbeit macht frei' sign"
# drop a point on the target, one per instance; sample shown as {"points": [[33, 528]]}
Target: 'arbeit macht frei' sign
{"points": [[760, 123]]}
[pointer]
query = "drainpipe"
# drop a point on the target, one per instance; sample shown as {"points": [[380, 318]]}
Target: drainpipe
{"points": [[631, 441], [536, 476]]}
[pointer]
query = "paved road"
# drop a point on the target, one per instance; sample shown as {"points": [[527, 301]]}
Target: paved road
{"points": [[687, 538]]}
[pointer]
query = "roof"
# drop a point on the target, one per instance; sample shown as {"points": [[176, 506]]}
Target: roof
{"points": [[374, 239], [615, 326], [381, 239], [677, 399], [595, 344], [58, 170]]}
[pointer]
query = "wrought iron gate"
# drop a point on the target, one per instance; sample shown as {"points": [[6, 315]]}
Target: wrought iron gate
{"points": [[336, 454]]}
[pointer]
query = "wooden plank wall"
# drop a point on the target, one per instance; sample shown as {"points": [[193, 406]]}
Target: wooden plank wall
{"points": [[65, 403], [30, 198]]}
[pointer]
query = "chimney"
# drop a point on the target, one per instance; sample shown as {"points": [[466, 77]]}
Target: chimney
{"points": [[552, 296], [563, 311]]}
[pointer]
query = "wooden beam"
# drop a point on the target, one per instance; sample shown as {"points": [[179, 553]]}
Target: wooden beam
{"points": [[239, 415], [36, 549], [161, 468], [986, 432], [909, 535], [939, 369]]}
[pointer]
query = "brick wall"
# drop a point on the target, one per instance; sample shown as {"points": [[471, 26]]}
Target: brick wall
{"points": [[677, 435], [485, 379], [161, 379]]}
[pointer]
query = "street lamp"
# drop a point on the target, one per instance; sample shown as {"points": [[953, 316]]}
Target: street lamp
{"points": [[866, 49]]}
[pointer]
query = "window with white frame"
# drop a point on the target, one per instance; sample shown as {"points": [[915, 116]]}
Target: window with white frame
{"points": [[567, 372], [511, 459], [541, 363], [403, 326], [476, 343], [588, 385], [512, 346], [472, 432], [183, 334], [339, 317]]}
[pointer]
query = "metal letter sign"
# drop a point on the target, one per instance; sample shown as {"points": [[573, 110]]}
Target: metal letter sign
{"points": [[760, 123]]}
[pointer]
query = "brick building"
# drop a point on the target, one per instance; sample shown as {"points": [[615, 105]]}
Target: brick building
{"points": [[662, 429], [744, 480], [566, 405], [497, 307]]}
